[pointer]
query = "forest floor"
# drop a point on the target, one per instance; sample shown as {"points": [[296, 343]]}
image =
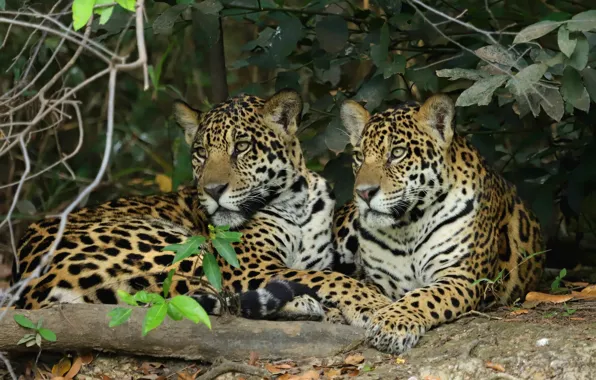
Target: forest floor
{"points": [[546, 342]]}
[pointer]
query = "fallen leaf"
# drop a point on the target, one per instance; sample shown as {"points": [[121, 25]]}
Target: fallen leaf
{"points": [[354, 359], [353, 372], [253, 357], [520, 311], [577, 318], [149, 367], [285, 376], [273, 369], [75, 368], [105, 377], [185, 376], [61, 368], [591, 289], [430, 377], [577, 284], [400, 360], [495, 366], [545, 297], [308, 375], [332, 373], [87, 358], [584, 295]]}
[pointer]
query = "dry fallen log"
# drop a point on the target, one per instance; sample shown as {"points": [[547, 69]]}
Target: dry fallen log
{"points": [[85, 326]]}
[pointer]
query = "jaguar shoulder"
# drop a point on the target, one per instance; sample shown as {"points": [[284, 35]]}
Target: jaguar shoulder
{"points": [[429, 220]]}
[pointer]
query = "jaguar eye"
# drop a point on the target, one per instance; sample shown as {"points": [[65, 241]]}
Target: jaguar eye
{"points": [[242, 146], [201, 152], [358, 156], [398, 152]]}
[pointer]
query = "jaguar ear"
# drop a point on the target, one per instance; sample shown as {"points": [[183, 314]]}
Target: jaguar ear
{"points": [[354, 117], [282, 111], [436, 114], [188, 118]]}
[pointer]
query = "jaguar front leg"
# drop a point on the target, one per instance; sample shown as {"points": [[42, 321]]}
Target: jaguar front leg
{"points": [[398, 327]]}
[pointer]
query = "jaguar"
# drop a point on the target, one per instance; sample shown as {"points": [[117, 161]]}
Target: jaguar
{"points": [[431, 225], [250, 174]]}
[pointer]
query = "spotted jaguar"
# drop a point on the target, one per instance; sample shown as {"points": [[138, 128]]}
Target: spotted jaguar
{"points": [[431, 225], [250, 174]]}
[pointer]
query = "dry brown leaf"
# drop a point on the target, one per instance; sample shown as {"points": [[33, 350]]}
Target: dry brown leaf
{"points": [[354, 359], [185, 376], [495, 366], [353, 372], [332, 373], [430, 377], [520, 311], [149, 367], [75, 368], [308, 375], [583, 296], [545, 297], [273, 369], [590, 289], [87, 358], [577, 318], [61, 368], [105, 377], [577, 284], [285, 376], [253, 357]]}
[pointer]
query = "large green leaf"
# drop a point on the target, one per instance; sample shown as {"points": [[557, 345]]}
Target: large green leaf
{"points": [[190, 309], [126, 297], [332, 33], [119, 315], [164, 23], [211, 270], [481, 92], [154, 317], [24, 321], [187, 249], [380, 51], [225, 249], [589, 76], [535, 31], [566, 44], [285, 37], [583, 22], [47, 334], [579, 58], [81, 12]]}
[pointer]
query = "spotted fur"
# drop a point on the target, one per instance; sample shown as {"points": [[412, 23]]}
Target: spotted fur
{"points": [[429, 219], [251, 175]]}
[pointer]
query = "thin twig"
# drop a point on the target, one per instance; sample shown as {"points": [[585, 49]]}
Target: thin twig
{"points": [[226, 366]]}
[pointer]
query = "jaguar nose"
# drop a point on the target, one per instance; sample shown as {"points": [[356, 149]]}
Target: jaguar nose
{"points": [[367, 193], [215, 190]]}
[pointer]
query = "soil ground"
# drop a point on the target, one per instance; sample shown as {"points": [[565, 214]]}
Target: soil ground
{"points": [[547, 342]]}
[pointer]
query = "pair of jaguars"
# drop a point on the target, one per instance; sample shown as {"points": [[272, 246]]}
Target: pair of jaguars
{"points": [[428, 219]]}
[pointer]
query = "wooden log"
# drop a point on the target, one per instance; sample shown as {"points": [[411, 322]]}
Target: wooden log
{"points": [[85, 327]]}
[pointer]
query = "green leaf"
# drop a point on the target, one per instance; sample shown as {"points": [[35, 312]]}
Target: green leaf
{"points": [[104, 13], [209, 7], [496, 54], [39, 323], [583, 22], [397, 66], [379, 52], [26, 338], [553, 103], [190, 309], [211, 270], [285, 37], [332, 33], [167, 283], [566, 44], [164, 23], [229, 236], [154, 317], [174, 313], [119, 315], [373, 91], [589, 76], [24, 321], [127, 4], [523, 81], [535, 31], [126, 297], [81, 12], [225, 249], [188, 248], [2, 5], [583, 103], [38, 340], [579, 58], [571, 85], [481, 92], [47, 334], [454, 74], [145, 297]]}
